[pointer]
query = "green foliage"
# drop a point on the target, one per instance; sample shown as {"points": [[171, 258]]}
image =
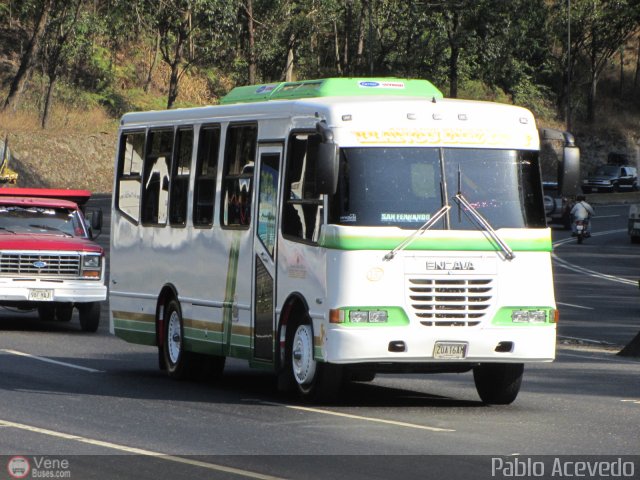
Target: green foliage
{"points": [[513, 51]]}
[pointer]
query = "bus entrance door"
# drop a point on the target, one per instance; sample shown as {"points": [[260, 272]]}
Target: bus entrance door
{"points": [[268, 180]]}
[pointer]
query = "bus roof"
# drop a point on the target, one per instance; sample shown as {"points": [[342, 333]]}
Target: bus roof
{"points": [[333, 87]]}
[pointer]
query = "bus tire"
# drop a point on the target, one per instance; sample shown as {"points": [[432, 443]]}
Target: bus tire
{"points": [[176, 359], [317, 381], [498, 383], [209, 367], [89, 314]]}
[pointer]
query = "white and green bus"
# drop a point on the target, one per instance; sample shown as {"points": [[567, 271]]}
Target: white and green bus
{"points": [[329, 230]]}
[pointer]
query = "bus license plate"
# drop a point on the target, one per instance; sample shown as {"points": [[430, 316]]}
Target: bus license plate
{"points": [[450, 351], [41, 295]]}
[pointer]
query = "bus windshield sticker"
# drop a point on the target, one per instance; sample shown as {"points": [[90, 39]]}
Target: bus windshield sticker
{"points": [[404, 217]]}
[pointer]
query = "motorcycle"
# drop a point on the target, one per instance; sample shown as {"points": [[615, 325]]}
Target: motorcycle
{"points": [[581, 229]]}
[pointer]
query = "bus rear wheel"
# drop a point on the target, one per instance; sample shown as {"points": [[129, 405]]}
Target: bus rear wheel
{"points": [[313, 380], [498, 383], [175, 358]]}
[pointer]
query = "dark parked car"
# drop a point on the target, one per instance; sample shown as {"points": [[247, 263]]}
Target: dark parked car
{"points": [[556, 207], [611, 178]]}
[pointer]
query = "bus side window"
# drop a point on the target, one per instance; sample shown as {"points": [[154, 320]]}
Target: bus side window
{"points": [[237, 184], [180, 177], [129, 168], [155, 188], [302, 211], [206, 170]]}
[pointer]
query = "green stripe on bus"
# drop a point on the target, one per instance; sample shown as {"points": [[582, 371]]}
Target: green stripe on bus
{"points": [[230, 291], [367, 241]]}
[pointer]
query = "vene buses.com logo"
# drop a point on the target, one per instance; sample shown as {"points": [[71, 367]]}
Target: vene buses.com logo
{"points": [[18, 467]]}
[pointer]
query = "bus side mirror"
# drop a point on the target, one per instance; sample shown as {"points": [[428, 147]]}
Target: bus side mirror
{"points": [[569, 172], [327, 169], [321, 176]]}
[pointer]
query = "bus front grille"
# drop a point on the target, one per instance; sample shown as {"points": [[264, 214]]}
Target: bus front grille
{"points": [[450, 302], [40, 265]]}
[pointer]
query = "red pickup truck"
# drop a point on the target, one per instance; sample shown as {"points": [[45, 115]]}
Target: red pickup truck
{"points": [[48, 259]]}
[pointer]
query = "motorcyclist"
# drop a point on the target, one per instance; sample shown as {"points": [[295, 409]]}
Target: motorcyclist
{"points": [[582, 211]]}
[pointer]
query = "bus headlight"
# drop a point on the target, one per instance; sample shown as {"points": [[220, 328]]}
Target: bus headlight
{"points": [[529, 316], [368, 316]]}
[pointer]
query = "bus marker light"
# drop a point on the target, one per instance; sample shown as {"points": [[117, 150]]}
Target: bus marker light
{"points": [[336, 316]]}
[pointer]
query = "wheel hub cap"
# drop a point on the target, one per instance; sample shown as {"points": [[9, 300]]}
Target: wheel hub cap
{"points": [[304, 366]]}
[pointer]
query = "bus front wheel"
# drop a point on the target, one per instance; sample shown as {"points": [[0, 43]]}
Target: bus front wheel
{"points": [[313, 380], [498, 383]]}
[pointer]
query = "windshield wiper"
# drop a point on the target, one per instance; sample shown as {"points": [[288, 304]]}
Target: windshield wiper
{"points": [[5, 228], [429, 223], [482, 223]]}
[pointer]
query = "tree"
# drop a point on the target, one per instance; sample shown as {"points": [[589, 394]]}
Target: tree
{"points": [[600, 28], [59, 31], [207, 25], [42, 11]]}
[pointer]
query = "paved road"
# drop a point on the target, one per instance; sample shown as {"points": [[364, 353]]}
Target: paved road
{"points": [[597, 282], [102, 404]]}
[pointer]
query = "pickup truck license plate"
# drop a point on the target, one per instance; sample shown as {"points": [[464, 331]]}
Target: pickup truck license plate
{"points": [[41, 294], [450, 350]]}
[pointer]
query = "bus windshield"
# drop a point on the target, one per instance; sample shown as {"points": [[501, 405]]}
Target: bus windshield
{"points": [[404, 187]]}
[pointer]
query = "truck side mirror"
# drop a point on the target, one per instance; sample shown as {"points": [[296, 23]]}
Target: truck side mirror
{"points": [[94, 218]]}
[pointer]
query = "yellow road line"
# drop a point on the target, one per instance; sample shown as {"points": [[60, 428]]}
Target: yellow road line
{"points": [[138, 451]]}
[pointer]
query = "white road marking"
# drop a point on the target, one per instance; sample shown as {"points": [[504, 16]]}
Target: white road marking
{"points": [[49, 360], [592, 273], [575, 306], [358, 417], [599, 356], [138, 451]]}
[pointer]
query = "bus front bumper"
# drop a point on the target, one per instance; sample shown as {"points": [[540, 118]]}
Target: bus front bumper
{"points": [[353, 345]]}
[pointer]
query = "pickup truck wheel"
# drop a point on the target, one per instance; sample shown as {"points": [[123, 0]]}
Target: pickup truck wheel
{"points": [[64, 312], [89, 316], [47, 313]]}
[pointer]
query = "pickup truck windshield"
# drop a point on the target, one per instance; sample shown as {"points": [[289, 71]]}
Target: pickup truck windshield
{"points": [[56, 221], [404, 186]]}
